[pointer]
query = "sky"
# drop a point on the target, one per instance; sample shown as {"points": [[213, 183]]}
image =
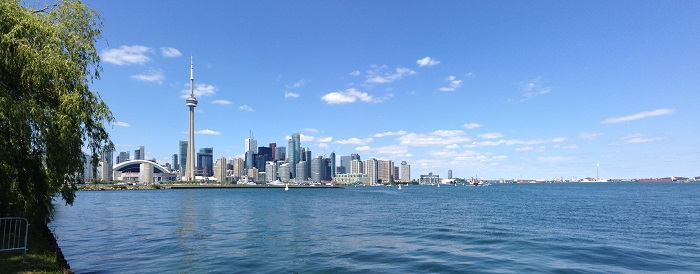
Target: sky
{"points": [[490, 89]]}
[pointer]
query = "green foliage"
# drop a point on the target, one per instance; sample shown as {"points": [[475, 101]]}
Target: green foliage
{"points": [[48, 114]]}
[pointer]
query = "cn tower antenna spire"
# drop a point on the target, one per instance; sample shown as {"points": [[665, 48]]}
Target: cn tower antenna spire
{"points": [[191, 76]]}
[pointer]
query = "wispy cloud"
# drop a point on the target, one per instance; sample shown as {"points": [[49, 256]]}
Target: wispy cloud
{"points": [[640, 139], [288, 94], [297, 84], [126, 55], [355, 141], [246, 108], [472, 125], [515, 142], [207, 132], [152, 75], [389, 133], [427, 62], [531, 89], [355, 73], [435, 138], [221, 102], [382, 74], [589, 135], [352, 95], [170, 52], [200, 90], [121, 124], [637, 116], [454, 84]]}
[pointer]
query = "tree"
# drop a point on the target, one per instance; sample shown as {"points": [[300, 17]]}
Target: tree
{"points": [[48, 114]]}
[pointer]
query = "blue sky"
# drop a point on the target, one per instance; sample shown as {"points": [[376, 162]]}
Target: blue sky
{"points": [[495, 89]]}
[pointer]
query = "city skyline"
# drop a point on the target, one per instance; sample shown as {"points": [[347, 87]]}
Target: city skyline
{"points": [[532, 90]]}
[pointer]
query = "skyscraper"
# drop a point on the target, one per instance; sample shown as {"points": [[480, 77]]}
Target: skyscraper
{"points": [[176, 165], [183, 157], [385, 171], [220, 169], [345, 164], [332, 162], [140, 153], [318, 169], [449, 174], [238, 167], [405, 171], [205, 161], [191, 103], [302, 174], [270, 171], [123, 157], [273, 146], [371, 169], [356, 167], [280, 154], [107, 164], [293, 151]]}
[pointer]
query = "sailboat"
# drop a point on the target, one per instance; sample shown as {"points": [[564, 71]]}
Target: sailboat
{"points": [[399, 186], [286, 187]]}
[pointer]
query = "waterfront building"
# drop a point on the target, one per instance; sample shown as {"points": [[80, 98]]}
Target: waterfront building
{"points": [[302, 174], [405, 171], [270, 171], [429, 179], [385, 171], [220, 169], [123, 157], [284, 172], [356, 167], [142, 171], [351, 179], [318, 169], [140, 153], [205, 161], [182, 157], [249, 159], [280, 154], [88, 169], [252, 173], [396, 174], [238, 167], [371, 168], [449, 174], [191, 104]]}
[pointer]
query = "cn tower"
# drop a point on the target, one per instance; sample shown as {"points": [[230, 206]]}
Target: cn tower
{"points": [[191, 103]]}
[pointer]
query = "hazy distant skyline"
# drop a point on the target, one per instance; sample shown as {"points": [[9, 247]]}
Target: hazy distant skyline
{"points": [[498, 89]]}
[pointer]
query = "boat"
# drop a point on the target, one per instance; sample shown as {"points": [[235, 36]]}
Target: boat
{"points": [[399, 186], [286, 187], [276, 183]]}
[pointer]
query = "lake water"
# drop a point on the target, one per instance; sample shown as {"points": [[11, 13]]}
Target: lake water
{"points": [[565, 228]]}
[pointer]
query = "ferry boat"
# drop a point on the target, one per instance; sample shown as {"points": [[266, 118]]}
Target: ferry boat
{"points": [[656, 180]]}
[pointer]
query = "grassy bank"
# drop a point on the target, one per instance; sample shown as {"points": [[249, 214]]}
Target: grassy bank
{"points": [[41, 257]]}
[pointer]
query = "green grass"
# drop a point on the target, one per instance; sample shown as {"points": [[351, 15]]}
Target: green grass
{"points": [[40, 257]]}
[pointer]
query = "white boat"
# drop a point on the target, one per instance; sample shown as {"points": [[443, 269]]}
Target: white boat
{"points": [[276, 183], [399, 186], [286, 187]]}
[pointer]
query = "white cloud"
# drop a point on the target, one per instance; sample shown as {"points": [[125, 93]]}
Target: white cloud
{"points": [[525, 148], [355, 73], [352, 95], [297, 84], [323, 145], [170, 52], [381, 74], [435, 138], [471, 125], [395, 151], [516, 142], [121, 124], [355, 141], [324, 139], [288, 94], [207, 132], [221, 102], [389, 133], [246, 108], [427, 61], [452, 146], [152, 75], [311, 130], [454, 84], [641, 115], [126, 55], [491, 135], [200, 90], [362, 148]]}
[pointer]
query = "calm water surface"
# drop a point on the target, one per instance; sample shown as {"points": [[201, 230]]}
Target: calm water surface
{"points": [[565, 228]]}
